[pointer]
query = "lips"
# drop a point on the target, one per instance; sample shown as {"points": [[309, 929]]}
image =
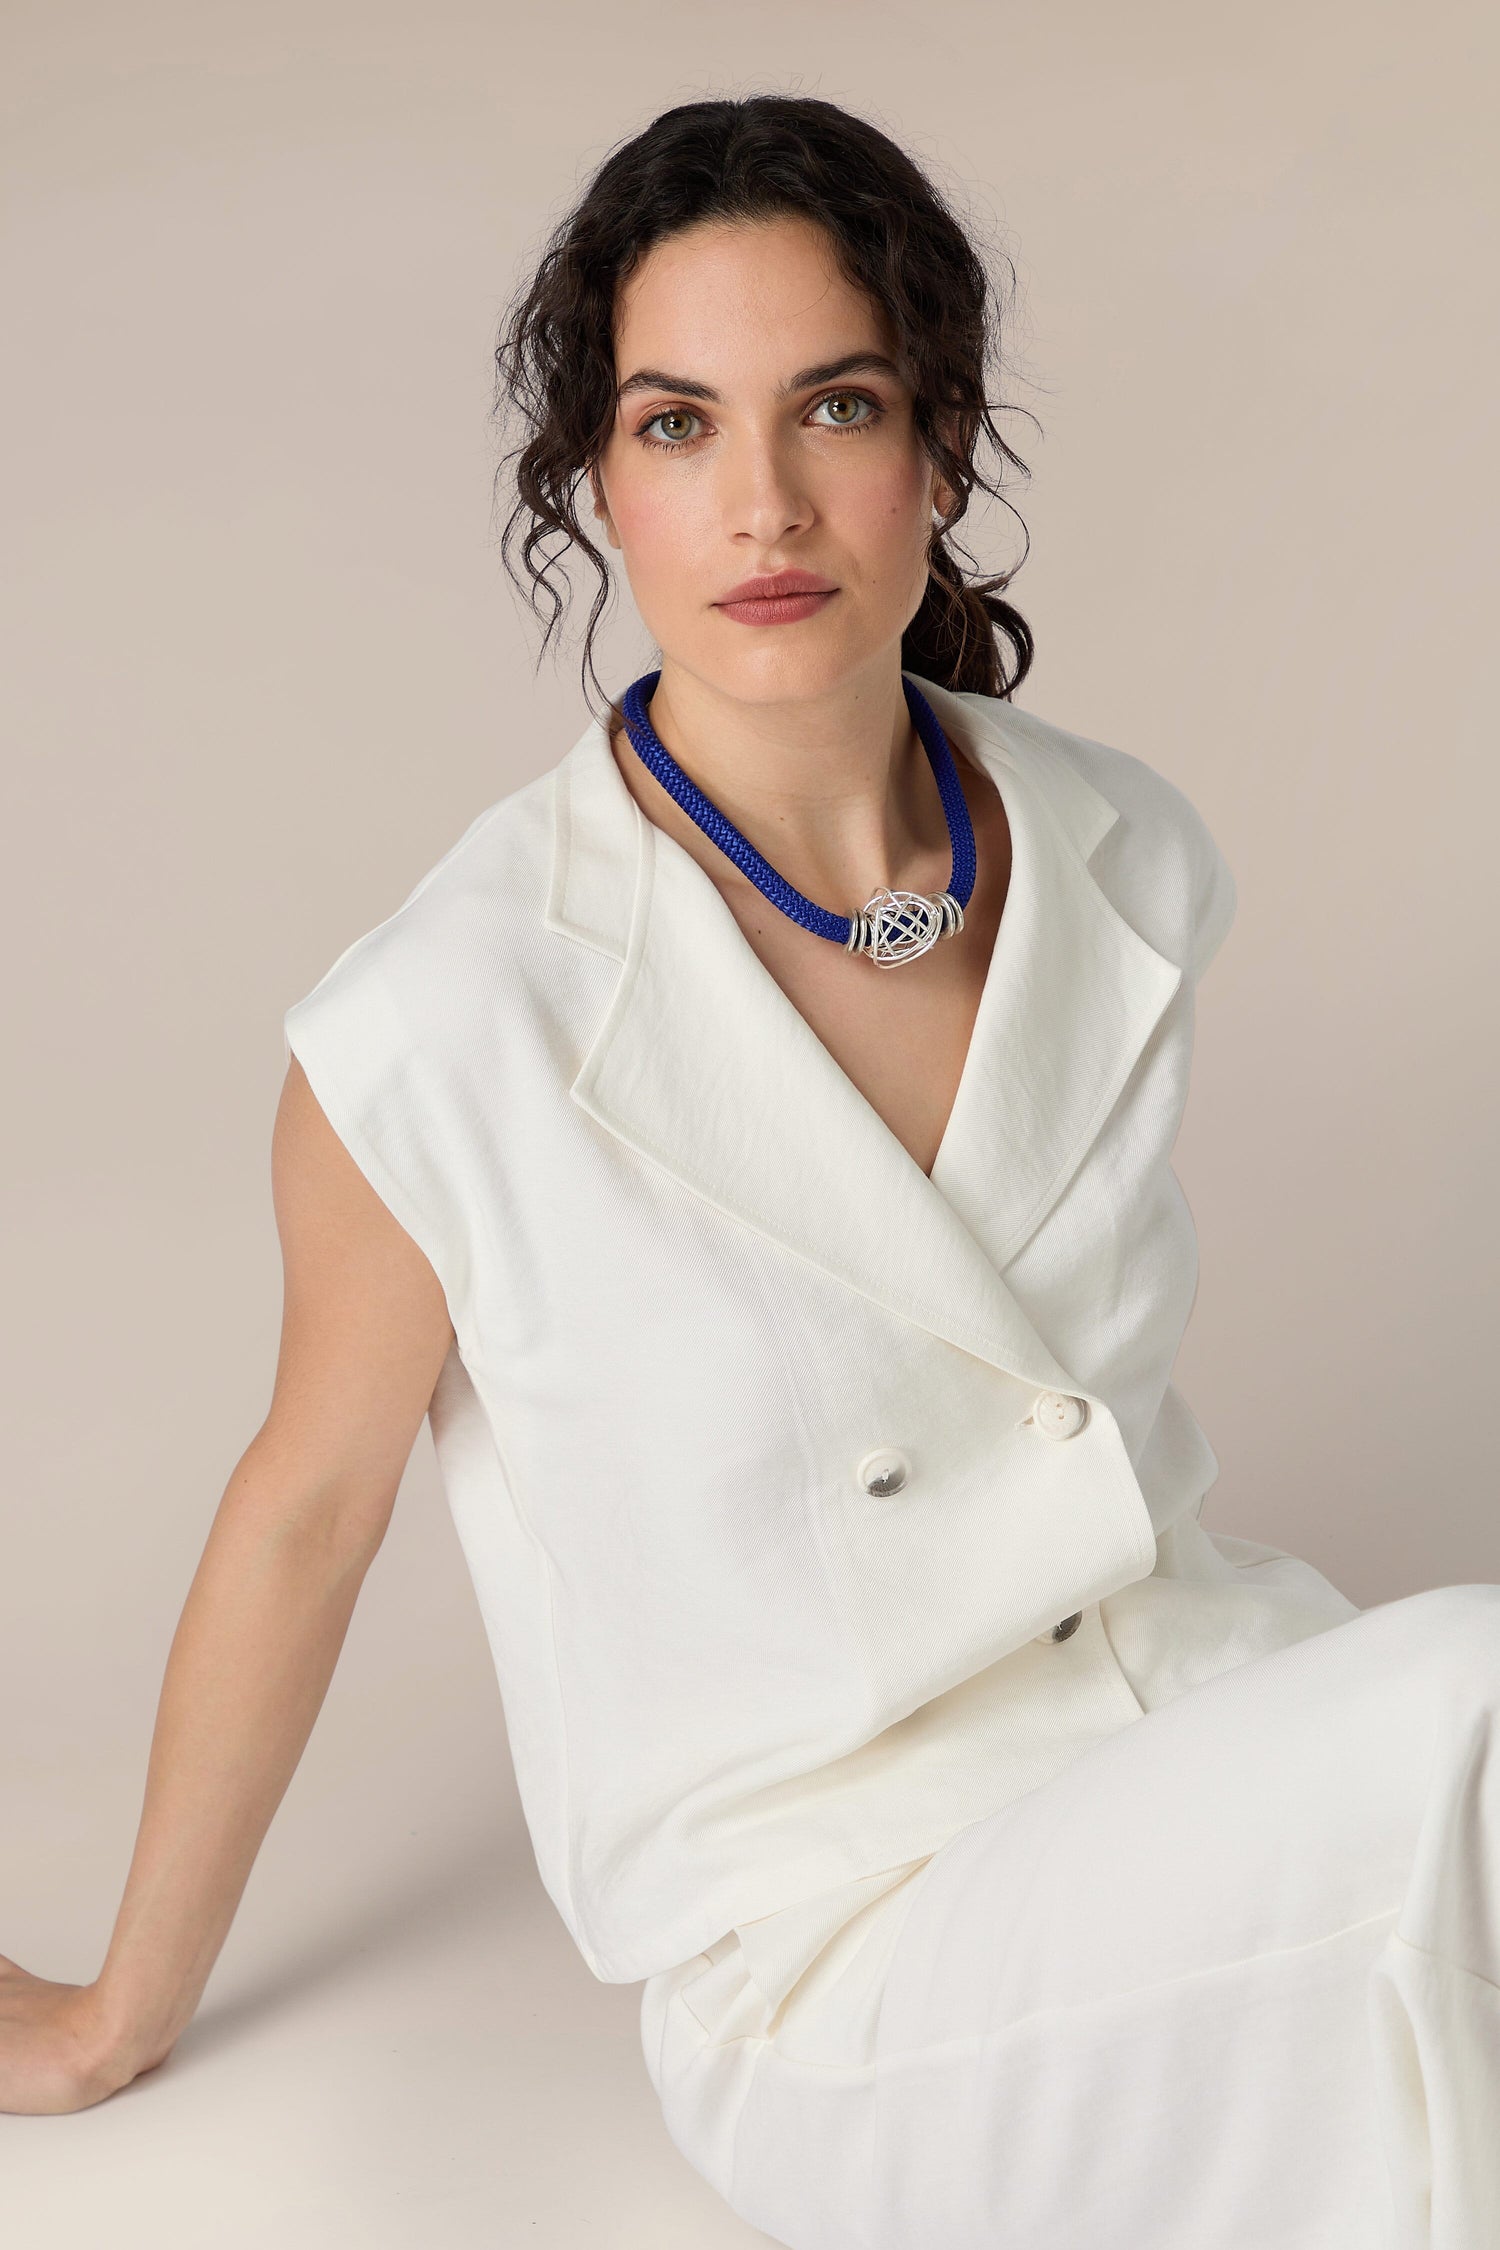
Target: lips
{"points": [[778, 600], [779, 583]]}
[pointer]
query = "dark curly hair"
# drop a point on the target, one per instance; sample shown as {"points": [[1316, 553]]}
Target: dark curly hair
{"points": [[894, 237]]}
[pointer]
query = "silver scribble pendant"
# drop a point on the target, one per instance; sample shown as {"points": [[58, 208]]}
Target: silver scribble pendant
{"points": [[896, 926]]}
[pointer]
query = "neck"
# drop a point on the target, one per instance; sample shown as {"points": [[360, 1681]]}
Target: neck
{"points": [[836, 790]]}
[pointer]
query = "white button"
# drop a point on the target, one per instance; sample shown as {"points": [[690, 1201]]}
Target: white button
{"points": [[1059, 1414], [883, 1471]]}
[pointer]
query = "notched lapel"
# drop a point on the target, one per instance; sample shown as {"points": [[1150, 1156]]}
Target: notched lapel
{"points": [[703, 1064], [1073, 995]]}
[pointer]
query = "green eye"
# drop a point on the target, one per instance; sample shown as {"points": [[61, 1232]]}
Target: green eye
{"points": [[845, 405], [672, 414]]}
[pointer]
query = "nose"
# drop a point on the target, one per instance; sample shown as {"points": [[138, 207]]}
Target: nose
{"points": [[764, 496]]}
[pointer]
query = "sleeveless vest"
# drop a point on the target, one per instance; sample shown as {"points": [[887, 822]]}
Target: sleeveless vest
{"points": [[776, 1463]]}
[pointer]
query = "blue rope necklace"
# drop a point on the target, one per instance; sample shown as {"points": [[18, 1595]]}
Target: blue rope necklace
{"points": [[892, 926]]}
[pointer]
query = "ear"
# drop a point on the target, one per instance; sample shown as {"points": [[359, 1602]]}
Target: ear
{"points": [[601, 509], [943, 495]]}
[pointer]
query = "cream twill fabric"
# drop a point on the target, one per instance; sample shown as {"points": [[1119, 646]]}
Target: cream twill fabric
{"points": [[775, 1462]]}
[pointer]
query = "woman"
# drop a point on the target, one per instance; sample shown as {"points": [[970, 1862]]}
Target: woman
{"points": [[750, 1144]]}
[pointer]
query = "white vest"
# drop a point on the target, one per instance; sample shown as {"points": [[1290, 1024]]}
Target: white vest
{"points": [[774, 1461]]}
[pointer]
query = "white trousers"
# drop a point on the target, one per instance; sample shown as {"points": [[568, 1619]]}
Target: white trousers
{"points": [[1228, 1981]]}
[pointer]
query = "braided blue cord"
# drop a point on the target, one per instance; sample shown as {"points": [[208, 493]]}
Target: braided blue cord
{"points": [[762, 874]]}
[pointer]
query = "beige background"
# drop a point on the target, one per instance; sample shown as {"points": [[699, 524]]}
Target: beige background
{"points": [[262, 668]]}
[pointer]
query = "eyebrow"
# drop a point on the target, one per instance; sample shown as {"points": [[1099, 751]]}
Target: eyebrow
{"points": [[852, 363]]}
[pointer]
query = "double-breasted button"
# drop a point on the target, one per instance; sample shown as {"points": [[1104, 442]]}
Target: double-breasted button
{"points": [[883, 1471], [1058, 1414]]}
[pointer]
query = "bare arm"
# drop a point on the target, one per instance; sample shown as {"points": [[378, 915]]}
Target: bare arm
{"points": [[365, 1331]]}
